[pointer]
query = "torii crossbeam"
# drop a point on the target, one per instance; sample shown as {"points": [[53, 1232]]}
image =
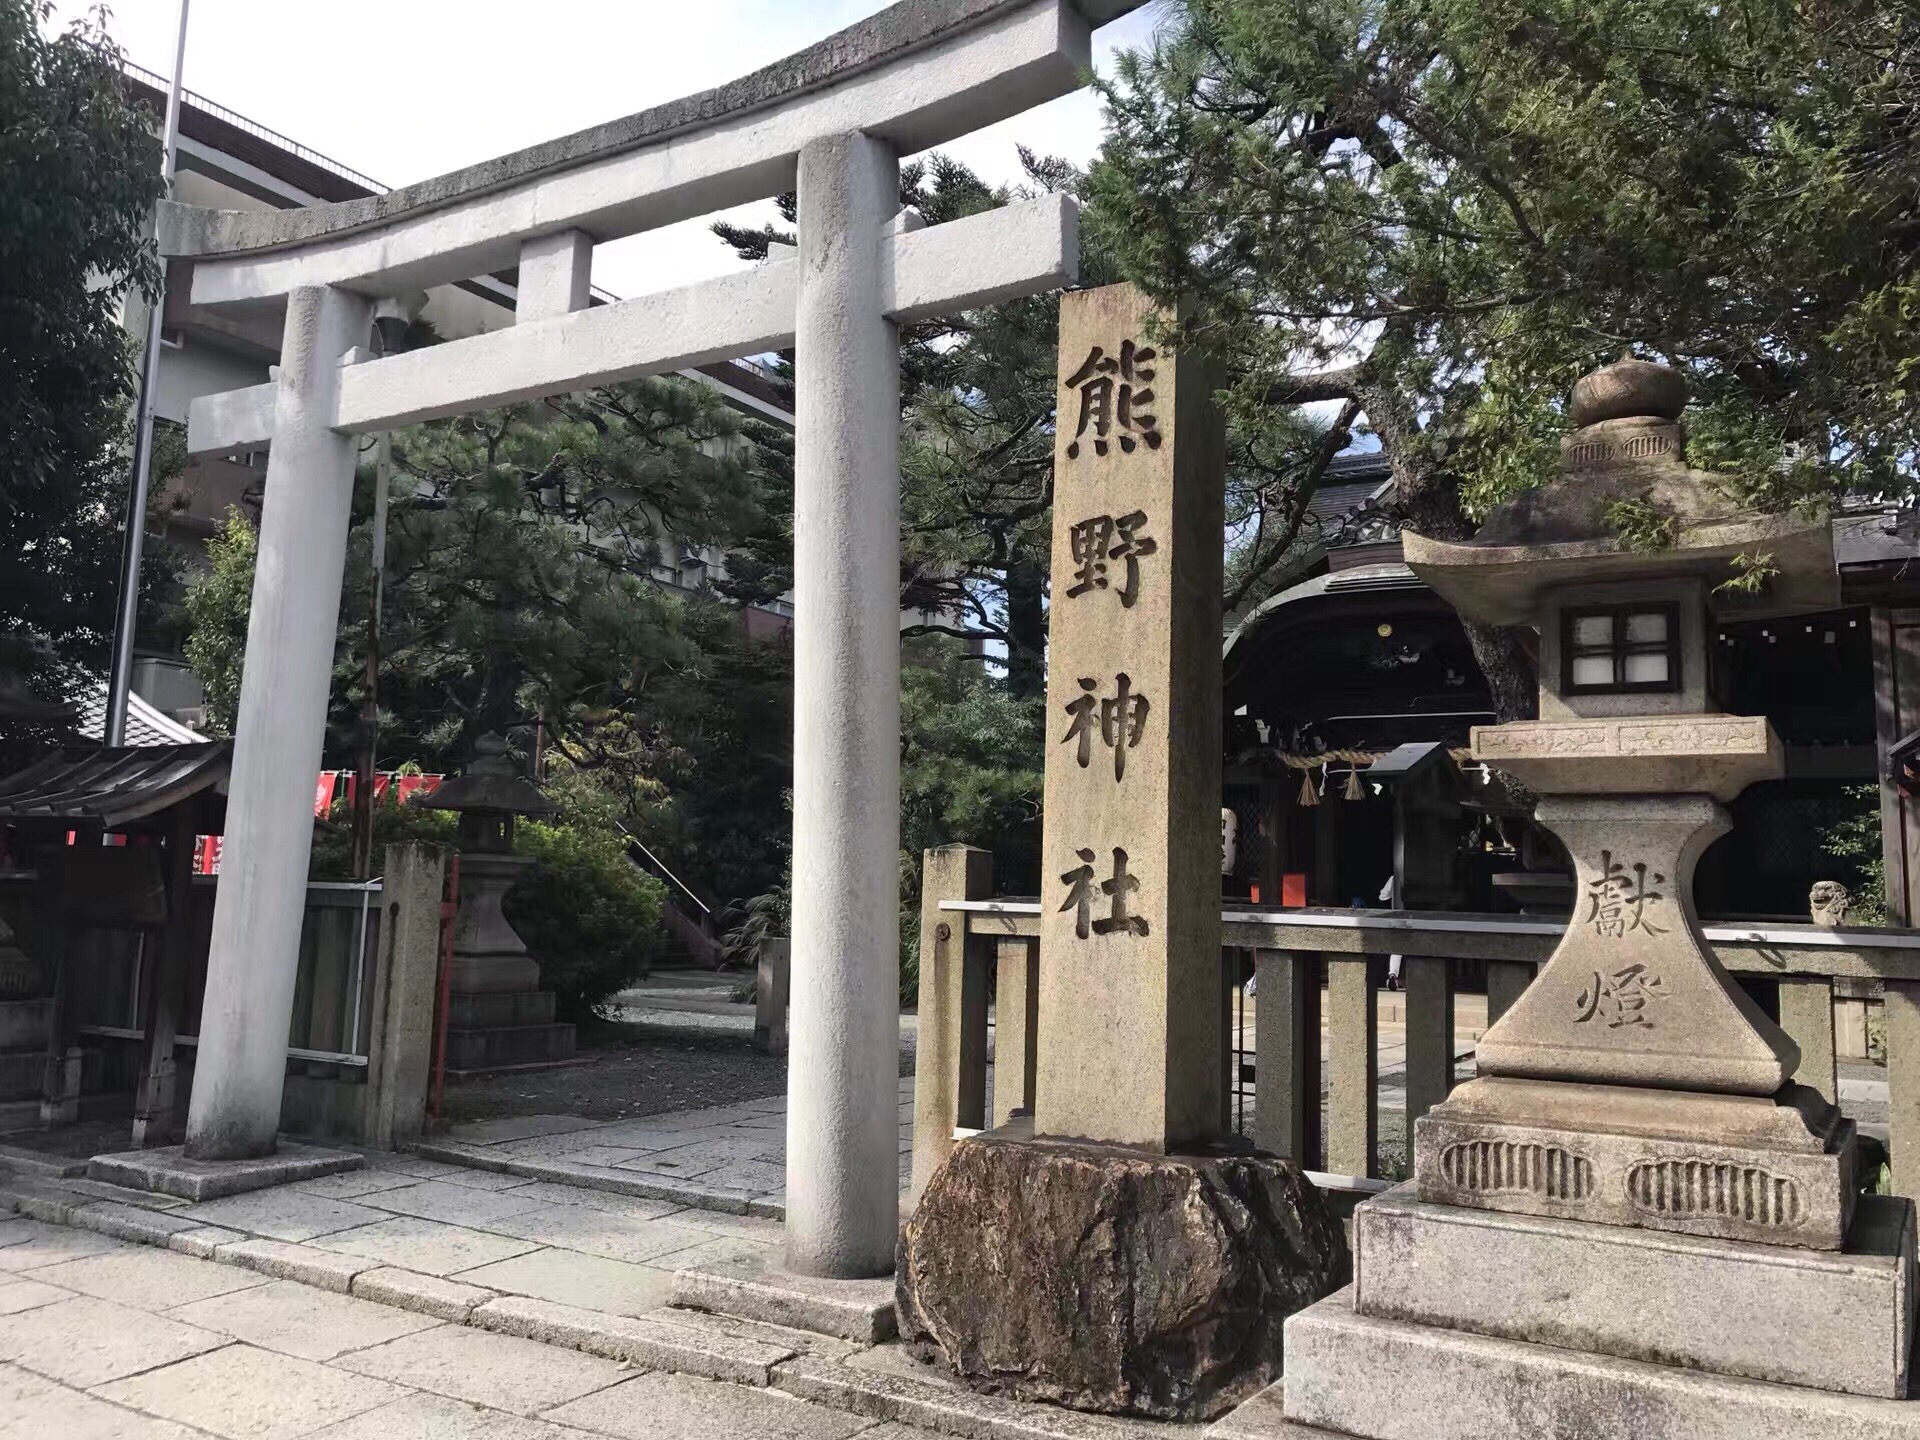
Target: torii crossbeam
{"points": [[831, 121]]}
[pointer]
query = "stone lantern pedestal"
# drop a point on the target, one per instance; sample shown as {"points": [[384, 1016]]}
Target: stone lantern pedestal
{"points": [[499, 1017], [1634, 1224]]}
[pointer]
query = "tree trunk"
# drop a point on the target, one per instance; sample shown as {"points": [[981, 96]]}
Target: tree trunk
{"points": [[1428, 502], [1026, 629]]}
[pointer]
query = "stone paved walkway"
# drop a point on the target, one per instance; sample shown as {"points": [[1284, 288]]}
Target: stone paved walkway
{"points": [[105, 1341]]}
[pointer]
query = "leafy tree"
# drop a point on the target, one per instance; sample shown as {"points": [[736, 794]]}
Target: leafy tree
{"points": [[976, 448], [1430, 216], [519, 596], [79, 172]]}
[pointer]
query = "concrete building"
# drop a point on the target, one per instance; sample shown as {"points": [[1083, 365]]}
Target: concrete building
{"points": [[229, 162]]}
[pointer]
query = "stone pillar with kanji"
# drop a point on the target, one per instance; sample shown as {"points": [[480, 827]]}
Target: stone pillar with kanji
{"points": [[1130, 891], [1113, 1250]]}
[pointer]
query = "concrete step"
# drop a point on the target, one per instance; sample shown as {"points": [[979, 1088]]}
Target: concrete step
{"points": [[471, 1011], [503, 1046]]}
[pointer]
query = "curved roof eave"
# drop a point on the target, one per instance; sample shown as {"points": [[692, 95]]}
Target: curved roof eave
{"points": [[1360, 579]]}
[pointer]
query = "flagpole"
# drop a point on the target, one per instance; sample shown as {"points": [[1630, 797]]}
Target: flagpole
{"points": [[120, 676]]}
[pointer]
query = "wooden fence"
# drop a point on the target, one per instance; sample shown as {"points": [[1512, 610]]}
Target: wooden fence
{"points": [[1315, 969]]}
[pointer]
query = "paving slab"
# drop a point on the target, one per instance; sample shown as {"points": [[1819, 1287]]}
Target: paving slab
{"points": [[685, 1407], [502, 1371], [435, 1417], [45, 1244], [571, 1278], [146, 1279], [33, 1408], [84, 1341], [597, 1232], [553, 1147], [245, 1393], [167, 1170], [719, 1250], [458, 1174], [295, 1319], [18, 1293], [518, 1127], [13, 1230], [665, 1340], [453, 1204], [351, 1184], [633, 1206], [953, 1409], [426, 1246], [283, 1214]]}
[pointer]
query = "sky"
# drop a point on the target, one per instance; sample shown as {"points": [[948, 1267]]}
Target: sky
{"points": [[403, 90]]}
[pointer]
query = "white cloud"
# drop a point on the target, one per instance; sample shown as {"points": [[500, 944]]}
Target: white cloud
{"points": [[406, 89]]}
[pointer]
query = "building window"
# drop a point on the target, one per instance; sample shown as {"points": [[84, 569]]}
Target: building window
{"points": [[1619, 649]]}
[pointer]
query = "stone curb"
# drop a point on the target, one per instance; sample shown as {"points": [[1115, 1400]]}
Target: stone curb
{"points": [[857, 1310], [950, 1409], [425, 1294], [687, 1343], [322, 1269], [641, 1184], [643, 1340]]}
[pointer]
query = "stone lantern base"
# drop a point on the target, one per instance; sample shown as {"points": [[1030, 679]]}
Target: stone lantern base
{"points": [[1112, 1279]]}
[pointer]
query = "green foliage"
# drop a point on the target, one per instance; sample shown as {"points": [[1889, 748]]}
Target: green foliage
{"points": [[79, 171], [1485, 197], [1753, 571], [218, 602], [520, 593], [1640, 524], [1854, 841], [585, 912], [588, 916]]}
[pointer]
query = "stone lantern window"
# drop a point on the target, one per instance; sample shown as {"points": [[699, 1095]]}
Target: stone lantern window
{"points": [[1619, 649]]}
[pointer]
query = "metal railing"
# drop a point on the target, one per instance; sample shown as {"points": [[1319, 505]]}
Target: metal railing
{"points": [[253, 127], [1313, 1057]]}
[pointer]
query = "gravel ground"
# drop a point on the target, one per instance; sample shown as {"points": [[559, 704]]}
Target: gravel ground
{"points": [[673, 1046]]}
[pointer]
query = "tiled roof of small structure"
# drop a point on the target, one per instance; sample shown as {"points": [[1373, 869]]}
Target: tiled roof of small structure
{"points": [[145, 725], [111, 787]]}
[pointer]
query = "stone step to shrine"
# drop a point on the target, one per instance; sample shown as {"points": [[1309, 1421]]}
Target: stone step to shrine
{"points": [[1356, 1375], [505, 1047], [482, 1011]]}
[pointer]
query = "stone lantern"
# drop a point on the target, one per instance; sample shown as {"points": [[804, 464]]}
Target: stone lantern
{"points": [[1635, 1222], [1633, 1026], [500, 1017]]}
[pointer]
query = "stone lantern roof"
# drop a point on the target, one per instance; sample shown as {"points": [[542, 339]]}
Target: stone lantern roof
{"points": [[491, 784], [1627, 444]]}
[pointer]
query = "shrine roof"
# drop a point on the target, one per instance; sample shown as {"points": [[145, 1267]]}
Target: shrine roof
{"points": [[113, 786]]}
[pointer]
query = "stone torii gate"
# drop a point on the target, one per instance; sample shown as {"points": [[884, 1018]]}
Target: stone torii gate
{"points": [[832, 120]]}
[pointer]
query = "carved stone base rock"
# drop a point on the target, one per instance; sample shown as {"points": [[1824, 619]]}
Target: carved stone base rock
{"points": [[1777, 1170], [1114, 1280]]}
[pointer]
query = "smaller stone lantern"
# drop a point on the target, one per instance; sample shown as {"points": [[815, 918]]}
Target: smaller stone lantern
{"points": [[500, 1017]]}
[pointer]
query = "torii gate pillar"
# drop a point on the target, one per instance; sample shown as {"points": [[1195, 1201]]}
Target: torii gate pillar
{"points": [[241, 1065], [842, 1125]]}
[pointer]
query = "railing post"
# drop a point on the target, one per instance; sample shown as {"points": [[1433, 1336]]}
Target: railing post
{"points": [[1353, 1101], [1806, 1014], [406, 982], [1016, 1009], [773, 977], [1506, 979], [953, 872], [1286, 1044], [1430, 1008], [1903, 1084]]}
